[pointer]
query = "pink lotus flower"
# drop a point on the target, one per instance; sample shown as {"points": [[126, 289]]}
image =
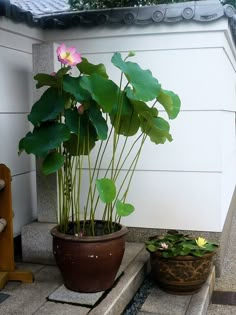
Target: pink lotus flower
{"points": [[68, 56]]}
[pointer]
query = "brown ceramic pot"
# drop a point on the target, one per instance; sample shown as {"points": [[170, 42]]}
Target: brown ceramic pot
{"points": [[89, 263], [181, 275]]}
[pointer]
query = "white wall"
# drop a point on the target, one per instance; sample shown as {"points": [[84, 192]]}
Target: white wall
{"points": [[186, 184], [15, 101]]}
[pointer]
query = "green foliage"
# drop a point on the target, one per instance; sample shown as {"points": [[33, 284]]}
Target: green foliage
{"points": [[75, 114], [174, 244], [101, 4]]}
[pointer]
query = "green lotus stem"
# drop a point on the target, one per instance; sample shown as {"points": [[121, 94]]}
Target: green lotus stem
{"points": [[127, 155], [134, 162]]}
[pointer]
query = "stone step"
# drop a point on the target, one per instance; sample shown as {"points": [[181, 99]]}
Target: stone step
{"points": [[162, 303]]}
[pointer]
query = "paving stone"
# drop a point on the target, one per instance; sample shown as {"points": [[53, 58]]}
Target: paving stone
{"points": [[62, 294], [162, 303], [221, 310], [27, 298], [51, 308]]}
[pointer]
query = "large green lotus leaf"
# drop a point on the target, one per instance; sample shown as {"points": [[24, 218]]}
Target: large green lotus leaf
{"points": [[88, 68], [80, 145], [80, 124], [122, 106], [102, 90], [124, 209], [48, 107], [73, 86], [145, 86], [45, 80], [106, 189], [44, 139], [171, 102], [74, 121], [61, 72], [98, 121], [52, 163], [156, 128], [140, 107], [127, 125]]}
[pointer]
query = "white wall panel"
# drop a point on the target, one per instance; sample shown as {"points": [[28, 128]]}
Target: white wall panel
{"points": [[13, 127], [176, 200], [15, 81], [16, 99], [196, 145]]}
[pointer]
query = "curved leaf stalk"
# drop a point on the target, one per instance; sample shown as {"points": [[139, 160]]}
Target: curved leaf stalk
{"points": [[132, 168], [92, 227], [117, 122], [127, 155]]}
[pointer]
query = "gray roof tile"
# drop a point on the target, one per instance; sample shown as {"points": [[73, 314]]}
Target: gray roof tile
{"points": [[58, 14]]}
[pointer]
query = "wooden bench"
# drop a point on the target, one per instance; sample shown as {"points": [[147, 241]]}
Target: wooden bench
{"points": [[8, 271]]}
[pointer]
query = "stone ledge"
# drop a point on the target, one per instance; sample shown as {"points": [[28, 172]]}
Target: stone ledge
{"points": [[161, 303]]}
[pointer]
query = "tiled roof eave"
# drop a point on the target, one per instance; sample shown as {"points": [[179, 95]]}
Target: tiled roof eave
{"points": [[201, 11]]}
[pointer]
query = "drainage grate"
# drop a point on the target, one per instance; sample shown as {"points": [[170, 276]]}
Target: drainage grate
{"points": [[3, 297], [224, 298]]}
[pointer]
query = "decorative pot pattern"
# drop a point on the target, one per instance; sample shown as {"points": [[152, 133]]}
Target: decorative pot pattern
{"points": [[181, 274], [89, 264]]}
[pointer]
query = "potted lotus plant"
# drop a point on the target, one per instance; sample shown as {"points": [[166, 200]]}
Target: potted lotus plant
{"points": [[91, 131], [180, 263]]}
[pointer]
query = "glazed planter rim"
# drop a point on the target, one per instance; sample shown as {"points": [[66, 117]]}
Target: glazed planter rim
{"points": [[186, 257], [84, 239]]}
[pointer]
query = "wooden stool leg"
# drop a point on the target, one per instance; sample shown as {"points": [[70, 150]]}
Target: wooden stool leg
{"points": [[21, 275], [3, 279]]}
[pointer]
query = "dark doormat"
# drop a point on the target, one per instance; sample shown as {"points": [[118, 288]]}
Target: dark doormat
{"points": [[3, 297], [224, 298]]}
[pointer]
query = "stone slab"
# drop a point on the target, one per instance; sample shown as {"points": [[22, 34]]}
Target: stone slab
{"points": [[37, 243], [51, 308], [62, 294], [27, 298], [160, 302]]}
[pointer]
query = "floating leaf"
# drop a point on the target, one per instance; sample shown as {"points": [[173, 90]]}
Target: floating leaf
{"points": [[106, 189], [124, 209]]}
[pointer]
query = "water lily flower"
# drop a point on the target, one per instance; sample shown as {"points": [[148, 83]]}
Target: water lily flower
{"points": [[68, 56], [201, 241], [163, 246]]}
